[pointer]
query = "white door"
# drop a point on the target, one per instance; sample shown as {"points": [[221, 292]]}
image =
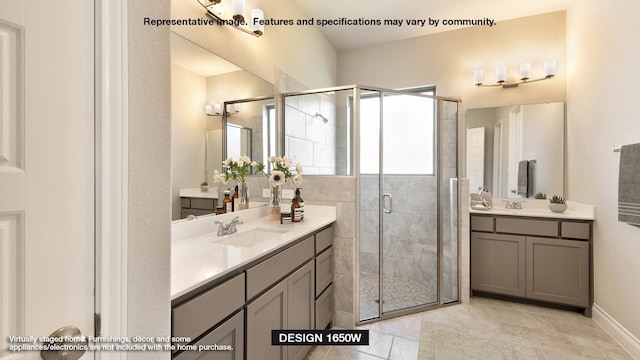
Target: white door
{"points": [[46, 168], [475, 158]]}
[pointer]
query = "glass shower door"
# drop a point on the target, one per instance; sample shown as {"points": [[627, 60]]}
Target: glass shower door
{"points": [[409, 202], [398, 203]]}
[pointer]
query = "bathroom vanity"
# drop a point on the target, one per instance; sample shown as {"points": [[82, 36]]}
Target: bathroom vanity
{"points": [[197, 202], [534, 254], [233, 290]]}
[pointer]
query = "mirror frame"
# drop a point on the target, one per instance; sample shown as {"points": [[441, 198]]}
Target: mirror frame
{"points": [[225, 119]]}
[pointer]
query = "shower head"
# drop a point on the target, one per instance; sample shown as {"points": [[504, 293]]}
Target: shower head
{"points": [[319, 116]]}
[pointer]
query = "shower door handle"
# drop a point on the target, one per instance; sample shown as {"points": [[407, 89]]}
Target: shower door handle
{"points": [[384, 208]]}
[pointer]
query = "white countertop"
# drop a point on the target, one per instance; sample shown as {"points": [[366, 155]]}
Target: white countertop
{"points": [[540, 208], [197, 193], [199, 255]]}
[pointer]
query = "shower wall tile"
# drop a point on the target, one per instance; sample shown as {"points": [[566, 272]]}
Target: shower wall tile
{"points": [[369, 243], [296, 124], [316, 130], [369, 182], [301, 151], [343, 255], [343, 292], [369, 263], [324, 155]]}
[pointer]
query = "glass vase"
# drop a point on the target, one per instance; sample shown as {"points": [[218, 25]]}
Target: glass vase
{"points": [[243, 196], [274, 203]]}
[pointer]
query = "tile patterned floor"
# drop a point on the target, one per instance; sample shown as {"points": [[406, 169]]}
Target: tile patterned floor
{"points": [[554, 334]]}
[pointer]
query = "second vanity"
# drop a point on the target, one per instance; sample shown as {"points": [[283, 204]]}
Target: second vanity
{"points": [[534, 254], [232, 290]]}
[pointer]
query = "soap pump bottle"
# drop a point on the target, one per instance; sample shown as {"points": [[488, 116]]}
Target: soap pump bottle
{"points": [[485, 197], [300, 203], [295, 212], [234, 199], [226, 202]]}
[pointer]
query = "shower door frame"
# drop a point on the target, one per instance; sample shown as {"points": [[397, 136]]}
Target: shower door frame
{"points": [[356, 171]]}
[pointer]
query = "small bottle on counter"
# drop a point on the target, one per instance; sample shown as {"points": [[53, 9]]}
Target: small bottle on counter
{"points": [[285, 218], [295, 210], [234, 199], [300, 203], [226, 202]]}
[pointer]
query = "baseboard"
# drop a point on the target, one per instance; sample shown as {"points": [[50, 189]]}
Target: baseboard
{"points": [[617, 331]]}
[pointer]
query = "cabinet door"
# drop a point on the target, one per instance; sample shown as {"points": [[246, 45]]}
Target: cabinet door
{"points": [[498, 263], [229, 333], [558, 270], [267, 312], [300, 310]]}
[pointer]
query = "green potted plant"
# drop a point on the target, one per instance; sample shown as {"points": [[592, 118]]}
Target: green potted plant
{"points": [[204, 186], [557, 204], [541, 196]]}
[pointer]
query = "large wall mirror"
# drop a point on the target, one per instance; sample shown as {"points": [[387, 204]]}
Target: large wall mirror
{"points": [[202, 139], [502, 141]]}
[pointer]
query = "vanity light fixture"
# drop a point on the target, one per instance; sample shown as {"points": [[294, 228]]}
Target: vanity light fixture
{"points": [[525, 75], [215, 110], [216, 9]]}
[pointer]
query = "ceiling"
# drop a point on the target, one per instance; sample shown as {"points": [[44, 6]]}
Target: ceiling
{"points": [[347, 37]]}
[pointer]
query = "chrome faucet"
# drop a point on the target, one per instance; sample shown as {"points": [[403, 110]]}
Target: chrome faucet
{"points": [[229, 228], [515, 204]]}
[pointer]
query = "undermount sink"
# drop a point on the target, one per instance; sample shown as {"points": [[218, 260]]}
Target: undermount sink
{"points": [[251, 238]]}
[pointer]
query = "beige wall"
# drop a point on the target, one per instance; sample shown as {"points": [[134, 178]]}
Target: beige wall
{"points": [[313, 62], [149, 185], [602, 89], [188, 92], [448, 59]]}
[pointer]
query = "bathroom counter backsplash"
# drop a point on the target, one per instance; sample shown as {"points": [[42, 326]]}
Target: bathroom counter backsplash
{"points": [[199, 255], [540, 208]]}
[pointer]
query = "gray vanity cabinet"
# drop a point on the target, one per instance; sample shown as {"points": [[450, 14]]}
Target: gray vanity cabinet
{"points": [[268, 312], [558, 271], [197, 206], [288, 305], [229, 333], [289, 289], [542, 259], [498, 263], [300, 310]]}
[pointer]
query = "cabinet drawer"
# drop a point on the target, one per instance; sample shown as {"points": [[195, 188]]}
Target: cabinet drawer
{"points": [[204, 204], [482, 223], [185, 203], [198, 315], [324, 270], [527, 226], [575, 230], [324, 309], [324, 239], [230, 332], [276, 267]]}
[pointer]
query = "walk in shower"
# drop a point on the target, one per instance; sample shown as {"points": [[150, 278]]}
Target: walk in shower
{"points": [[402, 148]]}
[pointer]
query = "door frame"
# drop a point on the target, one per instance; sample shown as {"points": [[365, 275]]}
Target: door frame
{"points": [[111, 152]]}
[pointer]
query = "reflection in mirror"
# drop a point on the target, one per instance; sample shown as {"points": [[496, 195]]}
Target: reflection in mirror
{"points": [[516, 151], [238, 141], [201, 78], [317, 127]]}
